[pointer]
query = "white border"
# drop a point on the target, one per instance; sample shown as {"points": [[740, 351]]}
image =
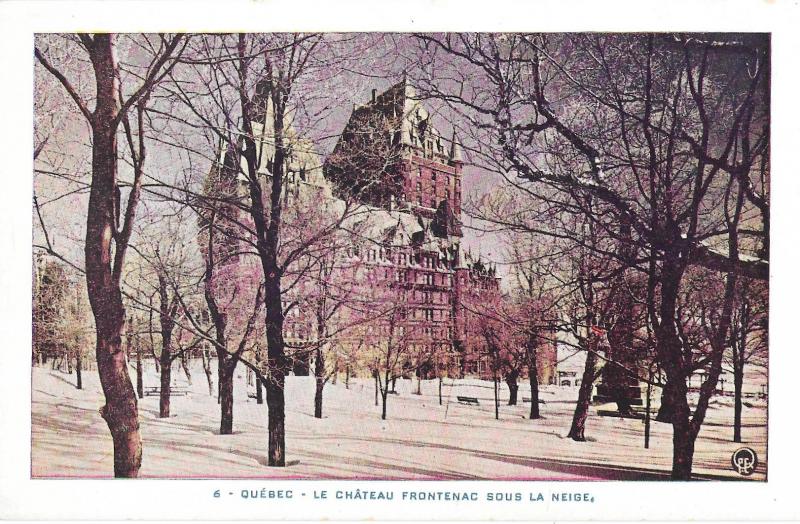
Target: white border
{"points": [[23, 498]]}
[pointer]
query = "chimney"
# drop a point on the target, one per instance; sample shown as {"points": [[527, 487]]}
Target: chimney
{"points": [[374, 95]]}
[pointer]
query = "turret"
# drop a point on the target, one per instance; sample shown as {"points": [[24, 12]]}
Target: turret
{"points": [[456, 156]]}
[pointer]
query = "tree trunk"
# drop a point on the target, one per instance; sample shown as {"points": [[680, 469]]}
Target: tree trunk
{"points": [[276, 423], [166, 379], [207, 370], [166, 318], [375, 375], [139, 372], [618, 379], [533, 380], [259, 385], [78, 370], [319, 380], [277, 367], [667, 409], [384, 394], [738, 346], [347, 377], [683, 438], [683, 452], [185, 366], [120, 410], [533, 374], [440, 390], [738, 379], [513, 388], [268, 231], [226, 399], [220, 371], [496, 395], [577, 431], [647, 408]]}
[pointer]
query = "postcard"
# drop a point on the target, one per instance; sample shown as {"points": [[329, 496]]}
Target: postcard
{"points": [[444, 268]]}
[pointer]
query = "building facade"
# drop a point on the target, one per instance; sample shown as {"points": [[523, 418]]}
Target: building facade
{"points": [[391, 156], [407, 179]]}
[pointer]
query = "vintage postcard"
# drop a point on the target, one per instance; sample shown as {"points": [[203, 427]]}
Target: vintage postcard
{"points": [[349, 272]]}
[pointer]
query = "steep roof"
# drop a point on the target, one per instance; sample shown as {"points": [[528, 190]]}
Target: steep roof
{"points": [[404, 109]]}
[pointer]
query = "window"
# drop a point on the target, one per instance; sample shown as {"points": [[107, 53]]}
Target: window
{"points": [[433, 176]]}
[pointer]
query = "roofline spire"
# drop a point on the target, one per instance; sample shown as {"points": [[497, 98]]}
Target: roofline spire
{"points": [[456, 154]]}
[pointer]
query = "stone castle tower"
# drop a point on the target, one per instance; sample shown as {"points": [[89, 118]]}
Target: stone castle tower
{"points": [[392, 156]]}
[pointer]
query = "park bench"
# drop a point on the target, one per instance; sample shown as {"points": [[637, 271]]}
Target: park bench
{"points": [[173, 391], [637, 412], [528, 399], [467, 400]]}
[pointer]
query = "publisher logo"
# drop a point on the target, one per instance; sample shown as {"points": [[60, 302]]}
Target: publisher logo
{"points": [[744, 461]]}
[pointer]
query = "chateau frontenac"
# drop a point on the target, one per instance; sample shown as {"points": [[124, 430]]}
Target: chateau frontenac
{"points": [[392, 160]]}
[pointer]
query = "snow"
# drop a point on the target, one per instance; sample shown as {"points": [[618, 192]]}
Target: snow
{"points": [[420, 439]]}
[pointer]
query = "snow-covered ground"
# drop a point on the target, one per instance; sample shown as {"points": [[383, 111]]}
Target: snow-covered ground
{"points": [[420, 439]]}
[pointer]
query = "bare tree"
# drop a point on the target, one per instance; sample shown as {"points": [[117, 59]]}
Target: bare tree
{"points": [[660, 131], [748, 343], [104, 270]]}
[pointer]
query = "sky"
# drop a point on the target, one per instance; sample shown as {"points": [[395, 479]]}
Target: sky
{"points": [[371, 61]]}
